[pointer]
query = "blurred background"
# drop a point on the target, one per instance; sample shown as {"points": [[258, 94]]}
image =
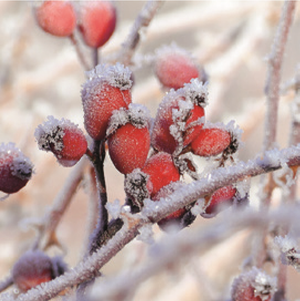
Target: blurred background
{"points": [[40, 75]]}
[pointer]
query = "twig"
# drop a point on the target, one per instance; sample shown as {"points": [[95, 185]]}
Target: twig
{"points": [[155, 211], [79, 53], [61, 203], [143, 20], [6, 283]]}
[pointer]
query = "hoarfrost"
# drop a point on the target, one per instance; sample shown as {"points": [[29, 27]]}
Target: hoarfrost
{"points": [[146, 234], [198, 207], [196, 92], [114, 208]]}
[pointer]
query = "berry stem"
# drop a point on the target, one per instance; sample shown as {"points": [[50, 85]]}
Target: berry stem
{"points": [[95, 54], [79, 53], [6, 283], [144, 18]]}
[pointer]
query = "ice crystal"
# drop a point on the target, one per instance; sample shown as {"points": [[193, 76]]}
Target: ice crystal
{"points": [[114, 209], [198, 207], [196, 92], [146, 234]]}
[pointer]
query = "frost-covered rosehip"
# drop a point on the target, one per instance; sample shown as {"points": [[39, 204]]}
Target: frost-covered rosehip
{"points": [[97, 22], [211, 142], [63, 138], [129, 138], [161, 171], [107, 89], [180, 117], [32, 269], [15, 168], [56, 17], [220, 199], [175, 67], [253, 285]]}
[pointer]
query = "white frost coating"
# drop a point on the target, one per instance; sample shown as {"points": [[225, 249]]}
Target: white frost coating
{"points": [[264, 285], [198, 207], [114, 208], [196, 92], [286, 243], [116, 75], [19, 164], [146, 234], [137, 114]]}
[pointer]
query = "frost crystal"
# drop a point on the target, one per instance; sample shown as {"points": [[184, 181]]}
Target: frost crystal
{"points": [[114, 209], [146, 234], [19, 164], [117, 76], [198, 207], [196, 92]]}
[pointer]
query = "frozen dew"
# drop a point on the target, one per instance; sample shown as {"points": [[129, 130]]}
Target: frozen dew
{"points": [[196, 92], [146, 234], [139, 115], [117, 119], [114, 208]]}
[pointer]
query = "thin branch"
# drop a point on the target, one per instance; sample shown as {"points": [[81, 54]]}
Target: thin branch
{"points": [[143, 20], [155, 211], [6, 283], [79, 52], [61, 203]]}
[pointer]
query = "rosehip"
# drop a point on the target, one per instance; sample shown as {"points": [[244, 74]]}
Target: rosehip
{"points": [[106, 90], [56, 17], [211, 142], [97, 22], [178, 118], [63, 138], [15, 168], [32, 269], [253, 285], [161, 171], [174, 67], [220, 199], [129, 144]]}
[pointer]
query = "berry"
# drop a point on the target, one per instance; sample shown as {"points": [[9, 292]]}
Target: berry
{"points": [[174, 67], [107, 89], [63, 138], [161, 171], [219, 200], [129, 144], [253, 285], [178, 120], [56, 17], [15, 168], [97, 22], [211, 142], [32, 269]]}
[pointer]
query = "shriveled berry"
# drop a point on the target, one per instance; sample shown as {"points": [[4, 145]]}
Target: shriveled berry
{"points": [[32, 269], [219, 200], [63, 138], [211, 142], [174, 67], [15, 168], [253, 285], [161, 171], [97, 22], [107, 89], [56, 17]]}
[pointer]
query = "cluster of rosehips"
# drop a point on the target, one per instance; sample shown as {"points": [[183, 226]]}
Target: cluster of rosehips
{"points": [[153, 154]]}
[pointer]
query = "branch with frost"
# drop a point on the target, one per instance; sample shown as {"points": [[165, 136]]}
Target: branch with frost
{"points": [[61, 203], [143, 20], [275, 60], [175, 249], [152, 212]]}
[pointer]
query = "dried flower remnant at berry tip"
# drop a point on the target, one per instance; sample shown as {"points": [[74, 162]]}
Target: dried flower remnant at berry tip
{"points": [[15, 168], [63, 138], [253, 285]]}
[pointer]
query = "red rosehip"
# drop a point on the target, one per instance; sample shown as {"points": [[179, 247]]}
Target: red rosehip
{"points": [[97, 22], [178, 118], [211, 142], [32, 269], [129, 144], [56, 17], [161, 171], [219, 200], [174, 67], [15, 168], [63, 138], [106, 90], [253, 285]]}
